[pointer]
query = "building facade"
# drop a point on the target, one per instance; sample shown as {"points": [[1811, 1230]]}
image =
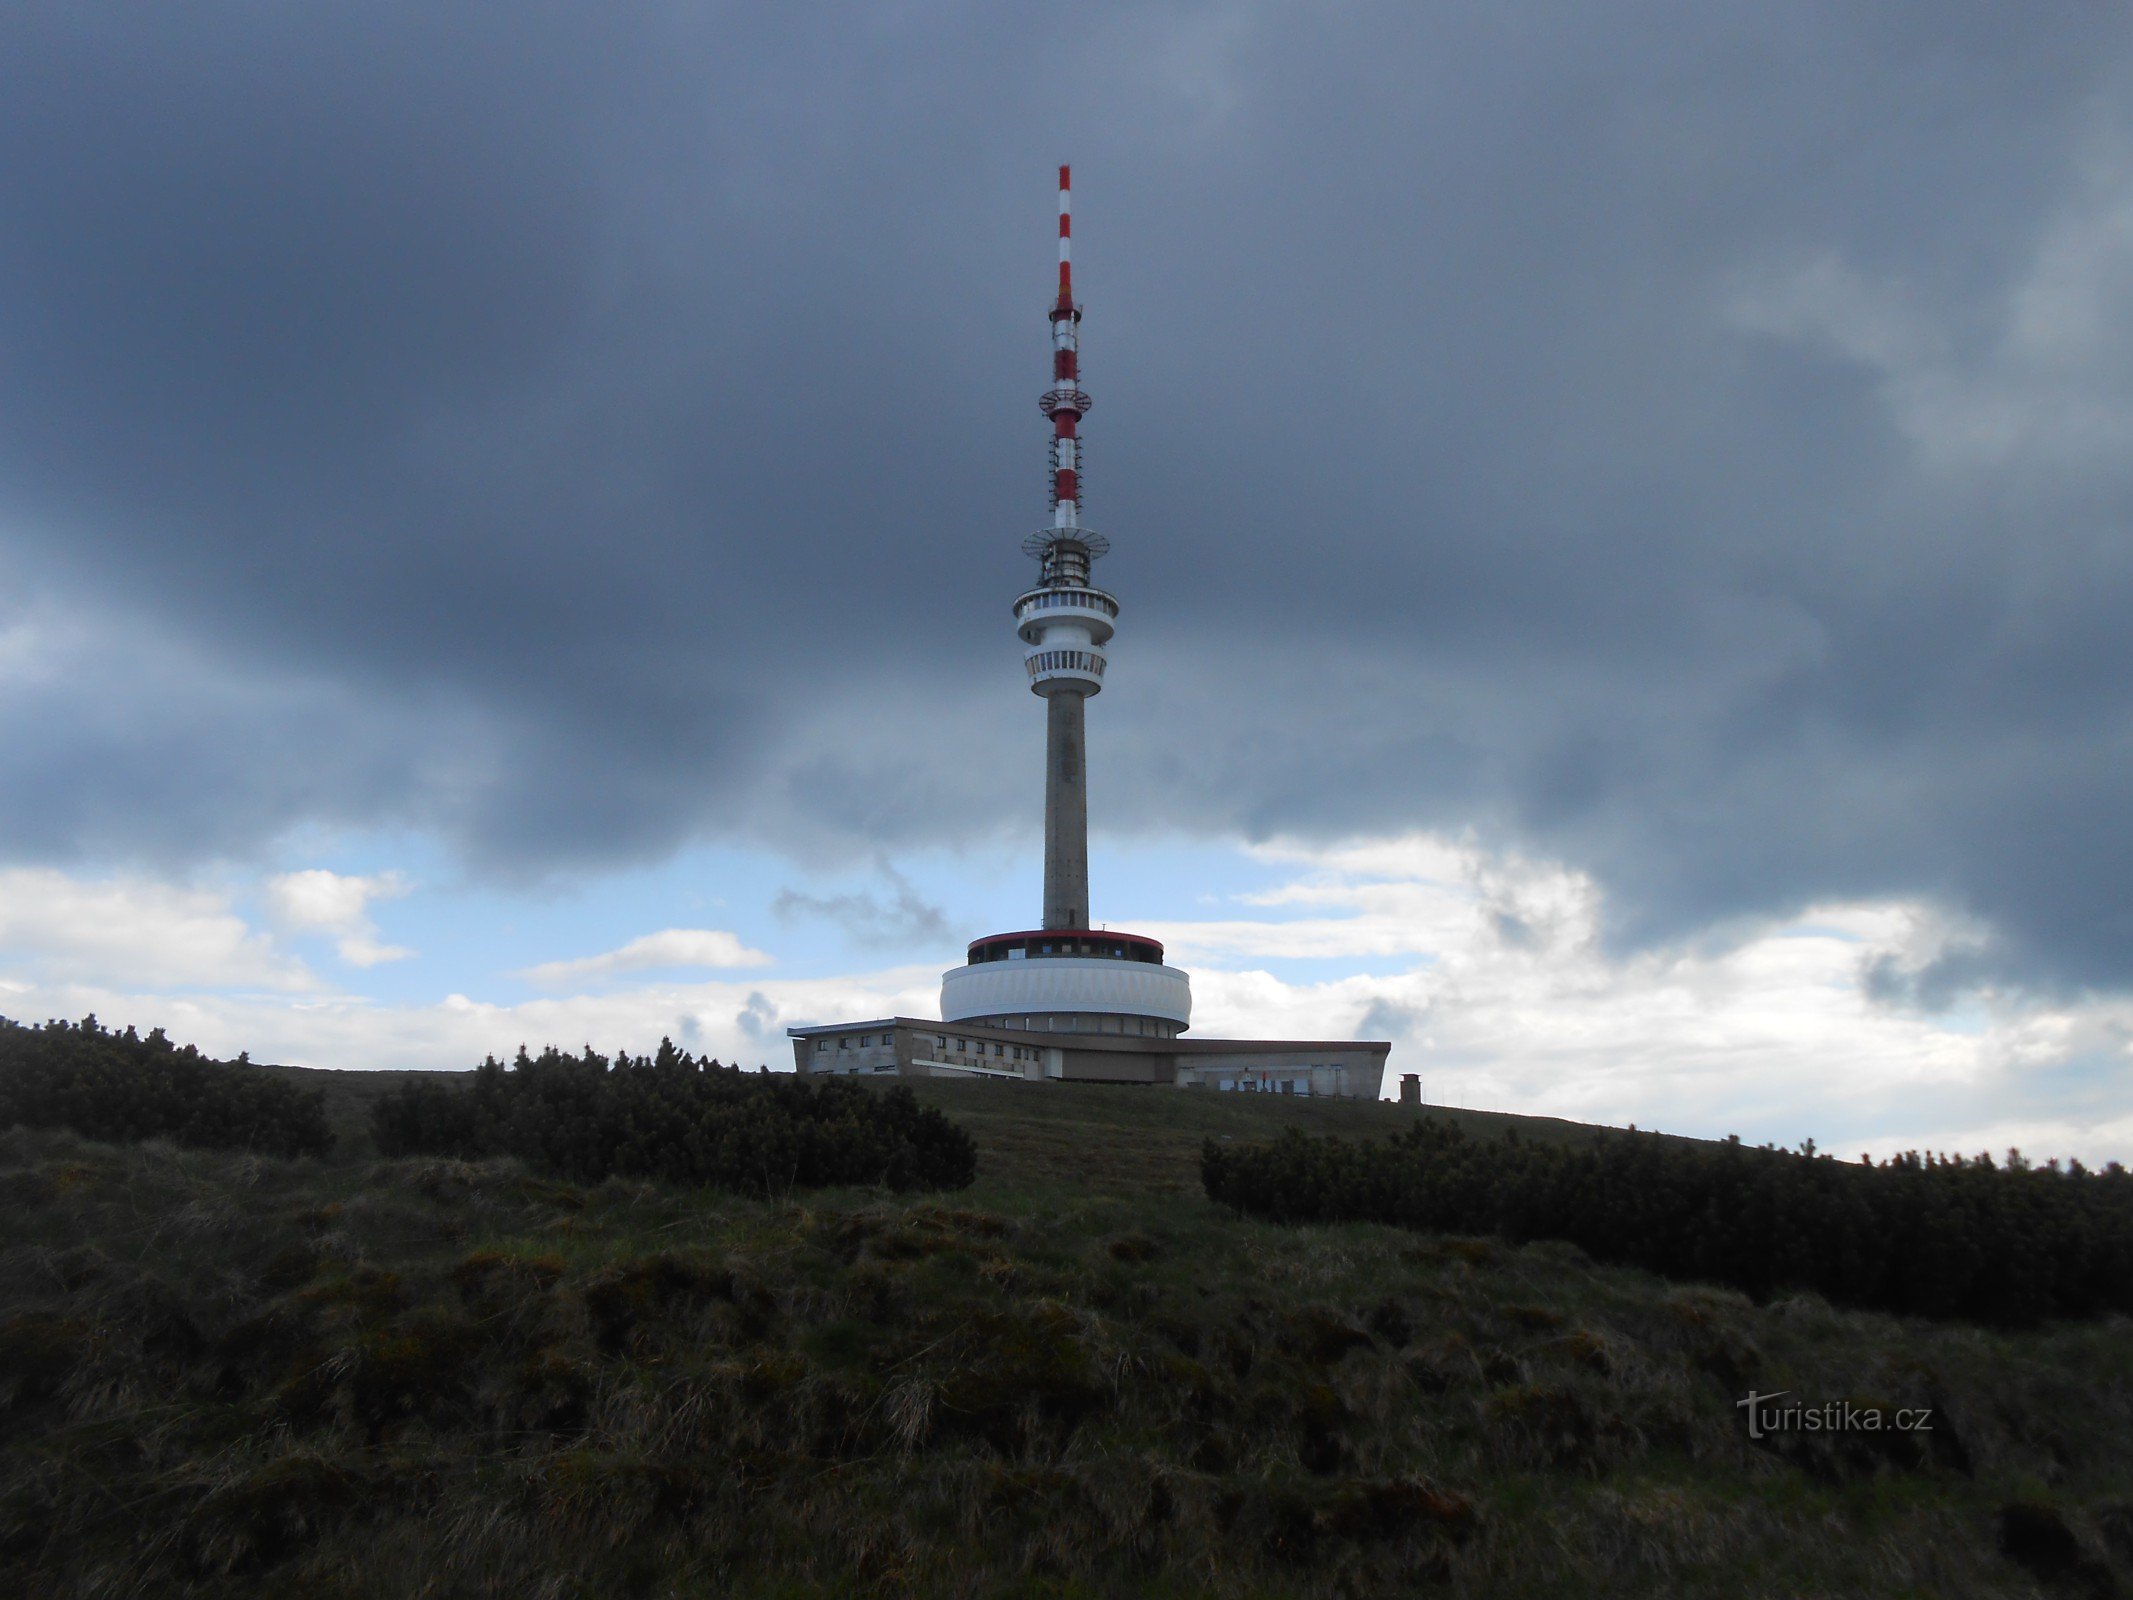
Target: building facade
{"points": [[916, 1047]]}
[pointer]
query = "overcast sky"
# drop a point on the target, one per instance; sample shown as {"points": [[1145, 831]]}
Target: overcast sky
{"points": [[1622, 514]]}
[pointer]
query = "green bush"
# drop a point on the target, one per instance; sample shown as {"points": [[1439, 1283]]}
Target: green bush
{"points": [[1936, 1236], [123, 1088], [676, 1118]]}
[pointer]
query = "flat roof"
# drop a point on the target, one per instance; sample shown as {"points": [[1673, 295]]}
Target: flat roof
{"points": [[1069, 933]]}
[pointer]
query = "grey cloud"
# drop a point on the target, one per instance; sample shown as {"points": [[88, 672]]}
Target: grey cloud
{"points": [[759, 1017], [1388, 1019], [1512, 929], [903, 920], [1933, 986], [582, 436]]}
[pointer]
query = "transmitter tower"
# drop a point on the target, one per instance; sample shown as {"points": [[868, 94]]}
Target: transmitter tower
{"points": [[1065, 621], [1067, 1001], [1066, 975]]}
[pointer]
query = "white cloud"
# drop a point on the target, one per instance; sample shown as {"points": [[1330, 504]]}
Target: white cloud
{"points": [[1495, 987], [350, 1033], [1413, 896], [318, 901], [1517, 1006], [135, 933], [672, 947]]}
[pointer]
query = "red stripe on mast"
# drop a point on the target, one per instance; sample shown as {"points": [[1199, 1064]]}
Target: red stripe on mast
{"points": [[1064, 402], [1066, 233]]}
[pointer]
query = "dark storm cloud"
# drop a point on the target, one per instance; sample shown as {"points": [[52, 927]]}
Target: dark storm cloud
{"points": [[1658, 434]]}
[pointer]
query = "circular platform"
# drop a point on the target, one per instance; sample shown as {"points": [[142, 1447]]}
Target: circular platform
{"points": [[1070, 980]]}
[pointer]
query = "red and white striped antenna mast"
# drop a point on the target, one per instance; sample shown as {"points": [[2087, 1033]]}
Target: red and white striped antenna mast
{"points": [[1064, 403], [1066, 548]]}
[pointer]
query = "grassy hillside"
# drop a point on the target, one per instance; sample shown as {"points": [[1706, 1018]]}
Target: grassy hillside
{"points": [[222, 1375]]}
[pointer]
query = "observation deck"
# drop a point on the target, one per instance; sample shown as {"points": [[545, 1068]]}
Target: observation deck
{"points": [[1092, 609], [1065, 622], [1069, 980]]}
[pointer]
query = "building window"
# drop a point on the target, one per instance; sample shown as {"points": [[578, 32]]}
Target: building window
{"points": [[865, 1039], [821, 1045], [845, 1043]]}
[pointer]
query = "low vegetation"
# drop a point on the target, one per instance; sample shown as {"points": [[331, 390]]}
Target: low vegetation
{"points": [[676, 1118], [123, 1088], [1927, 1236], [586, 1117], [224, 1373]]}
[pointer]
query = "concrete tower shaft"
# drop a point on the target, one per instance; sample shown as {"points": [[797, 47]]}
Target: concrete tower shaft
{"points": [[1066, 812]]}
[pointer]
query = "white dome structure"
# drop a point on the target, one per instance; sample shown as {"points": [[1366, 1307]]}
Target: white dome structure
{"points": [[1069, 981]]}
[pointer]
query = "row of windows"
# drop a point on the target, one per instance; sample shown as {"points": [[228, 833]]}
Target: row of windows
{"points": [[1266, 1085], [1066, 661], [1011, 1052], [1107, 949], [1105, 1022], [1081, 599], [942, 1040]]}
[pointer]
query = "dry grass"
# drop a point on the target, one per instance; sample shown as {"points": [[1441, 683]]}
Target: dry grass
{"points": [[220, 1375]]}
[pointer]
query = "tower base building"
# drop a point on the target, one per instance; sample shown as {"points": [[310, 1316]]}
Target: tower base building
{"points": [[1082, 1006], [1067, 1002], [915, 1047]]}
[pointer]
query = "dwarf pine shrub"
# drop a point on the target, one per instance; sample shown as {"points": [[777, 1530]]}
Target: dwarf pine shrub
{"points": [[1927, 1235], [673, 1117], [121, 1088]]}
